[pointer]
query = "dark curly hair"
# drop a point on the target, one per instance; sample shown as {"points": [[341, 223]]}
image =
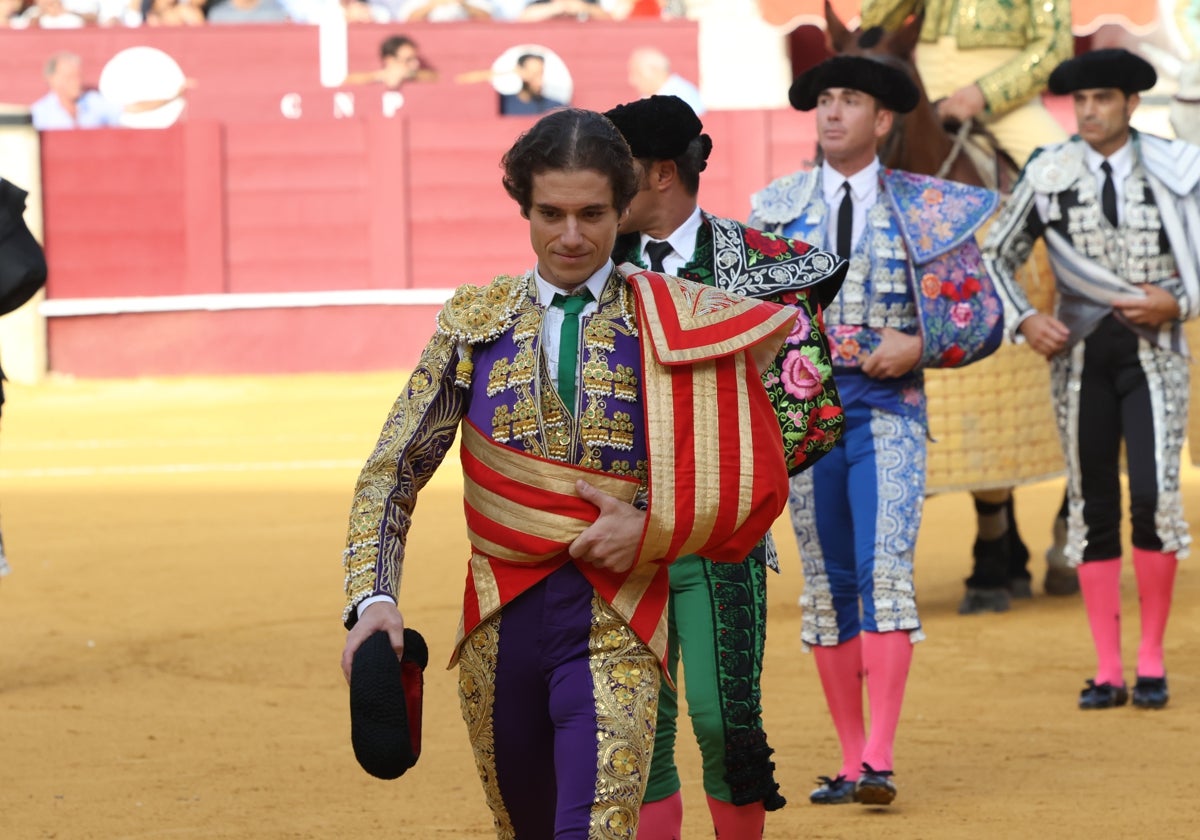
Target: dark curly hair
{"points": [[570, 139], [692, 162]]}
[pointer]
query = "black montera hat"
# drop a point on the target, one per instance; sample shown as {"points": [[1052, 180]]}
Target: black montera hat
{"points": [[658, 127], [385, 703], [893, 88], [1110, 68], [22, 263]]}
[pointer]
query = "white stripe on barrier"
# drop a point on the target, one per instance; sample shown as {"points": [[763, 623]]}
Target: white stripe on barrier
{"points": [[72, 307], [8, 447], [181, 469]]}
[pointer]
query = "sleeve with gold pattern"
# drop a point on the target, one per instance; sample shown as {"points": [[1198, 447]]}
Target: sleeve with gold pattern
{"points": [[1039, 31], [416, 436], [891, 14], [1048, 43]]}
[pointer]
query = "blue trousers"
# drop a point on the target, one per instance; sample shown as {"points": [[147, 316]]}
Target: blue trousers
{"points": [[856, 514]]}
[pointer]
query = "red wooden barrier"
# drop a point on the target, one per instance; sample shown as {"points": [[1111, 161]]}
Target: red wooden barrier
{"points": [[330, 208]]}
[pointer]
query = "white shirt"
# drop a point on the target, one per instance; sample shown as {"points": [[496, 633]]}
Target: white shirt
{"points": [[683, 243], [551, 325], [440, 14], [864, 189], [1121, 162], [553, 320]]}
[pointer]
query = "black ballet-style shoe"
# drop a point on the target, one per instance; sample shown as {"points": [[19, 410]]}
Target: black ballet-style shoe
{"points": [[836, 791], [1103, 695], [875, 787], [1150, 692]]}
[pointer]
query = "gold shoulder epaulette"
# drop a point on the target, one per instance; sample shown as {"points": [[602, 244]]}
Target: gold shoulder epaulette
{"points": [[480, 313]]}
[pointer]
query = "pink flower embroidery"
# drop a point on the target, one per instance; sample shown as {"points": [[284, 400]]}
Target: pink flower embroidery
{"points": [[801, 378], [800, 329], [961, 314]]}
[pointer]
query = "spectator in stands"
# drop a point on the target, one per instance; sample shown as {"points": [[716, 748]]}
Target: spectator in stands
{"points": [[302, 11], [69, 105], [360, 11], [9, 14], [536, 10], [507, 10], [52, 14], [399, 64], [529, 99], [172, 13], [247, 11], [652, 9], [650, 74], [441, 11]]}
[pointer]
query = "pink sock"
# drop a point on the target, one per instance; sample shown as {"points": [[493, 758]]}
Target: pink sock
{"points": [[886, 657], [1100, 583], [661, 819], [840, 669], [736, 822], [1156, 583]]}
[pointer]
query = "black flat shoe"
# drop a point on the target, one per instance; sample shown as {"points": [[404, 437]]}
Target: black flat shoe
{"points": [[875, 787], [1103, 696], [1150, 692], [836, 791]]}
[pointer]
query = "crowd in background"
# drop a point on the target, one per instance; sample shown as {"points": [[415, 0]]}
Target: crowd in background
{"points": [[72, 14]]}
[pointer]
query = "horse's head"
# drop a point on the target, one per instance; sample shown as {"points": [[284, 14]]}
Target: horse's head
{"points": [[918, 141], [893, 48]]}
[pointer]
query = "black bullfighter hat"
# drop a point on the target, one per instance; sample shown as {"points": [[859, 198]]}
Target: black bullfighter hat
{"points": [[1109, 68], [893, 88], [658, 127], [385, 703]]}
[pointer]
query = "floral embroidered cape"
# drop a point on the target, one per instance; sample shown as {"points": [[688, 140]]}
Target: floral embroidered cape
{"points": [[959, 309]]}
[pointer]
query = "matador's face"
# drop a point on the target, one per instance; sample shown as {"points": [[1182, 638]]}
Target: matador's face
{"points": [[572, 224], [1103, 116]]}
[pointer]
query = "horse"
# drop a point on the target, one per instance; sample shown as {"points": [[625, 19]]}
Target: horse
{"points": [[919, 142]]}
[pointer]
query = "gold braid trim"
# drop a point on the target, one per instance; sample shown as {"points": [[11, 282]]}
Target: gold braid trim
{"points": [[477, 696], [415, 438], [625, 683]]}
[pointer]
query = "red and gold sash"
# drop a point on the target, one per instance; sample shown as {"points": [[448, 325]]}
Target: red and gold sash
{"points": [[523, 512], [718, 477]]}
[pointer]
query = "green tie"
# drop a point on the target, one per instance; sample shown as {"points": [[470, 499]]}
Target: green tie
{"points": [[568, 343]]}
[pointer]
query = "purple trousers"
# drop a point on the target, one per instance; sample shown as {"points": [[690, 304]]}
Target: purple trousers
{"points": [[560, 699]]}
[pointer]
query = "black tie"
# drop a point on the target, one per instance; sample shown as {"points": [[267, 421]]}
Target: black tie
{"points": [[1108, 195], [845, 227], [657, 252]]}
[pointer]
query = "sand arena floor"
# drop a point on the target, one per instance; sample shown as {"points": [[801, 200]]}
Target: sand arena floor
{"points": [[170, 634]]}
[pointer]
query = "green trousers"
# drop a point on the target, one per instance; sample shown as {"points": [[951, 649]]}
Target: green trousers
{"points": [[717, 616]]}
